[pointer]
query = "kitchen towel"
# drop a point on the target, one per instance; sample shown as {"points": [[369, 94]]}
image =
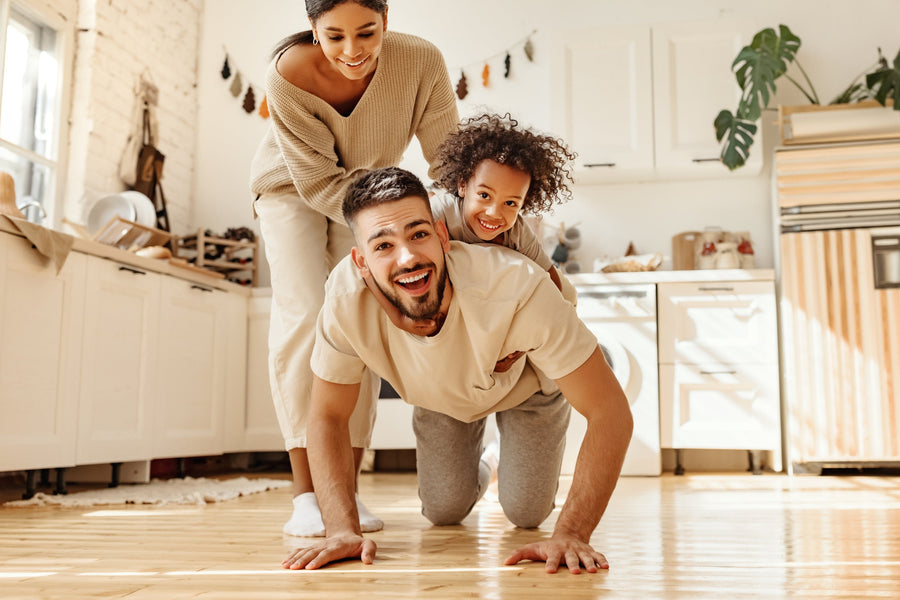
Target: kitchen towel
{"points": [[51, 244]]}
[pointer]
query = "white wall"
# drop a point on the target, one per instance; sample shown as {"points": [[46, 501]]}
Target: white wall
{"points": [[839, 41], [110, 43], [117, 41]]}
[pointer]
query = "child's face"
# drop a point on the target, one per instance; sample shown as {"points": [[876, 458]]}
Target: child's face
{"points": [[493, 197]]}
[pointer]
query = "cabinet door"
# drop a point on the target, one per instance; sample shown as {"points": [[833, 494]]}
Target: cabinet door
{"points": [[603, 99], [251, 424], [727, 322], [692, 82], [40, 344], [118, 371], [720, 406], [190, 397]]}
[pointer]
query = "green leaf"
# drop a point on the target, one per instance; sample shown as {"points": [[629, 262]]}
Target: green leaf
{"points": [[738, 134], [887, 83], [758, 65]]}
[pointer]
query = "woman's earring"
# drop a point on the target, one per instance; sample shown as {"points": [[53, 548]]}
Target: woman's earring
{"points": [[315, 41]]}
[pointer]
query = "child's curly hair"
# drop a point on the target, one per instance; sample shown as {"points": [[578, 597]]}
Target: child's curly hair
{"points": [[502, 140]]}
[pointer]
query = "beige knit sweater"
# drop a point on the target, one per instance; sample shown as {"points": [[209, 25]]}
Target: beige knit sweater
{"points": [[314, 149]]}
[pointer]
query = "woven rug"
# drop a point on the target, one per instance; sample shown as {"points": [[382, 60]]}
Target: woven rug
{"points": [[188, 490]]}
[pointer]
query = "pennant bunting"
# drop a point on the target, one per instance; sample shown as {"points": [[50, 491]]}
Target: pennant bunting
{"points": [[249, 100], [462, 86], [529, 50], [237, 85], [242, 89]]}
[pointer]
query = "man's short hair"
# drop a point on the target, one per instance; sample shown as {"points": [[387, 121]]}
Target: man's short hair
{"points": [[379, 186]]}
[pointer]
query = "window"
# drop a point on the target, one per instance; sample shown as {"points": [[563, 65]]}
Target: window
{"points": [[30, 124]]}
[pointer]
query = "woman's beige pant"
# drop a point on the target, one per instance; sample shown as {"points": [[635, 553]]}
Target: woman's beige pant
{"points": [[302, 246]]}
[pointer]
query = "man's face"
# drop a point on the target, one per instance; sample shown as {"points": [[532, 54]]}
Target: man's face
{"points": [[402, 249]]}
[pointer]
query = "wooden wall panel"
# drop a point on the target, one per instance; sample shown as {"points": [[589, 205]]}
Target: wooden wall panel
{"points": [[841, 350]]}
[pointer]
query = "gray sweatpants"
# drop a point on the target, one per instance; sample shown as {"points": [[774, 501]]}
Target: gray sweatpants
{"points": [[452, 478]]}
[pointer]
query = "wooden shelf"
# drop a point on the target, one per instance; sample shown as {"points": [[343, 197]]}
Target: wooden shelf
{"points": [[196, 246]]}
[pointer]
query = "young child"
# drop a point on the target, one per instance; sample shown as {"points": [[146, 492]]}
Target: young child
{"points": [[491, 171]]}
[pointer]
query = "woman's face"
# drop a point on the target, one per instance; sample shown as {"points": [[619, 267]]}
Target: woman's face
{"points": [[493, 197], [350, 36]]}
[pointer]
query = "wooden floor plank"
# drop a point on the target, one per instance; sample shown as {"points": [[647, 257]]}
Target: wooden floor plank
{"points": [[692, 537]]}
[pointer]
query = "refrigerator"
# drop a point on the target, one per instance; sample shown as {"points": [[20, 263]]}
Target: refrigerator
{"points": [[838, 219]]}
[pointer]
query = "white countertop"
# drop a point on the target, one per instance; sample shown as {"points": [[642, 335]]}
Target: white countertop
{"points": [[150, 264], [672, 276]]}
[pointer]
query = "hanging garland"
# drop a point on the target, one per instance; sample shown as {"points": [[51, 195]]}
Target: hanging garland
{"points": [[462, 87], [237, 89]]}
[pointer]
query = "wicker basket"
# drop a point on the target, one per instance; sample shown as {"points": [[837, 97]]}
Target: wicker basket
{"points": [[635, 264]]}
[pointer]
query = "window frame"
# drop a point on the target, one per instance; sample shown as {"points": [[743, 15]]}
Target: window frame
{"points": [[57, 163]]}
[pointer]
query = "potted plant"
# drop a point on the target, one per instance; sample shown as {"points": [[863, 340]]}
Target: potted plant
{"points": [[758, 66]]}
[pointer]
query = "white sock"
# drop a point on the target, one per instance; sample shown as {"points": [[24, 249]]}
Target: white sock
{"points": [[306, 521], [491, 457], [367, 521], [307, 518]]}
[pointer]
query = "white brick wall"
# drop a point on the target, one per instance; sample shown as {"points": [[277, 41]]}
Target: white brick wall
{"points": [[116, 41]]}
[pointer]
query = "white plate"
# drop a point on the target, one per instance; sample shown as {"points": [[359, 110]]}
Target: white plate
{"points": [[107, 207], [145, 211]]}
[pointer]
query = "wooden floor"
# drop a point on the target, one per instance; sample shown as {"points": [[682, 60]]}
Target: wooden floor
{"points": [[700, 536]]}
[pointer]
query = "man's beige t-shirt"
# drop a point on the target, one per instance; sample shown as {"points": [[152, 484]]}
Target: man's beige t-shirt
{"points": [[502, 302]]}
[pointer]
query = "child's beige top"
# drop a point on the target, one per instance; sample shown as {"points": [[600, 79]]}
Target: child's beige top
{"points": [[520, 237], [502, 302], [312, 148]]}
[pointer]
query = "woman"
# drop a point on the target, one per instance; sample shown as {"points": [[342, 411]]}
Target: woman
{"points": [[344, 98]]}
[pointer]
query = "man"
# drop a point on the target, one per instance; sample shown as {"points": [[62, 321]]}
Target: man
{"points": [[487, 303]]}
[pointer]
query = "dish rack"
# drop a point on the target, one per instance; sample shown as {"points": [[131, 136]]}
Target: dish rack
{"points": [[131, 236], [236, 259]]}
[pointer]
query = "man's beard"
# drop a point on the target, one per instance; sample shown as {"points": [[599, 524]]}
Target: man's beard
{"points": [[424, 307]]}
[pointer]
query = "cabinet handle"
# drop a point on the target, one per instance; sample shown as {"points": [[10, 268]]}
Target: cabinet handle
{"points": [[130, 270], [716, 289], [201, 288], [703, 160], [592, 165], [718, 372]]}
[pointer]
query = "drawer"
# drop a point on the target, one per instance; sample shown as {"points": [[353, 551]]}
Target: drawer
{"points": [[616, 302], [719, 406], [731, 322]]}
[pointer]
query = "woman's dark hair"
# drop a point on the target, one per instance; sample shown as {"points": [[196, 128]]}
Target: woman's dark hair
{"points": [[317, 8], [379, 186], [502, 140]]}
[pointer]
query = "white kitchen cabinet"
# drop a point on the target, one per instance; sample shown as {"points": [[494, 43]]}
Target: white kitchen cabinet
{"points": [[192, 375], [118, 368], [603, 98], [251, 424], [718, 322], [639, 101], [720, 406], [692, 82], [40, 353], [718, 366]]}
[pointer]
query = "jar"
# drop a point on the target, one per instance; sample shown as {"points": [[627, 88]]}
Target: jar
{"points": [[707, 258], [727, 257]]}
